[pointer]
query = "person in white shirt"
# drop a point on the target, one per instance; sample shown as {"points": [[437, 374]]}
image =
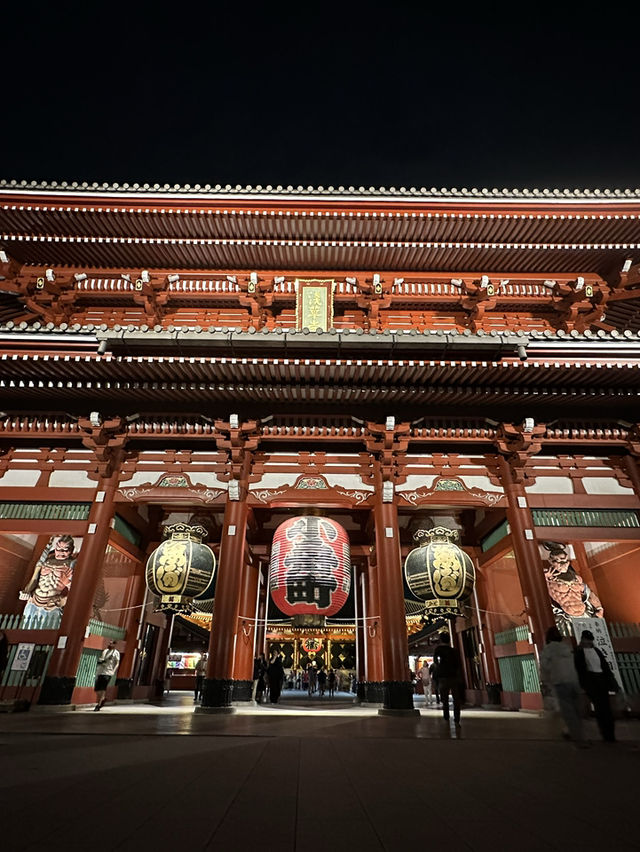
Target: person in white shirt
{"points": [[425, 677], [107, 666], [558, 673]]}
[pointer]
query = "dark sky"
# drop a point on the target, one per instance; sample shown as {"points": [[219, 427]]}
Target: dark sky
{"points": [[416, 94]]}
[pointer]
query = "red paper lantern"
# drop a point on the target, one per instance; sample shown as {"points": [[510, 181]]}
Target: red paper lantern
{"points": [[310, 570]]}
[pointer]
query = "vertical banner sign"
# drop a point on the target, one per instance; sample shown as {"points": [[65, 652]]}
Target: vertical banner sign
{"points": [[601, 640], [314, 304]]}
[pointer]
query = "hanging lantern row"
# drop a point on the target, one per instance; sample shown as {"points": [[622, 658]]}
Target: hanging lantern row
{"points": [[310, 567], [182, 568], [439, 572]]}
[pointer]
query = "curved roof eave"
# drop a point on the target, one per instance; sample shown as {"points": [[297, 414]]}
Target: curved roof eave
{"points": [[218, 192]]}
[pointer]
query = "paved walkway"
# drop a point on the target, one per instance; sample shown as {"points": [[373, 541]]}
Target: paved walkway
{"points": [[307, 779]]}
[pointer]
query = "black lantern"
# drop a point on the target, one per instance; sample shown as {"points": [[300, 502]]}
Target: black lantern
{"points": [[181, 568], [439, 572]]}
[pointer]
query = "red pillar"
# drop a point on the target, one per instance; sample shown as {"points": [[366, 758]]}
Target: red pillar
{"points": [[631, 466], [398, 692], [532, 579], [245, 634], [219, 681], [134, 616], [485, 592], [373, 635], [61, 675]]}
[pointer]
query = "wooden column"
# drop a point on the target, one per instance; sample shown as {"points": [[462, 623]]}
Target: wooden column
{"points": [[530, 571], [218, 683], [398, 692], [358, 595], [373, 635], [238, 441], [261, 626], [485, 593], [134, 616], [60, 680], [245, 632], [631, 466]]}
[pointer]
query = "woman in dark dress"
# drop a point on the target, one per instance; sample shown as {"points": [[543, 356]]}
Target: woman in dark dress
{"points": [[275, 673]]}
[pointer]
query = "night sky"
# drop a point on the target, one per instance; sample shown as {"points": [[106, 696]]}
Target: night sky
{"points": [[416, 94]]}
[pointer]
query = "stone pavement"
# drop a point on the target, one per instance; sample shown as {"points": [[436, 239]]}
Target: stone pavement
{"points": [[311, 777]]}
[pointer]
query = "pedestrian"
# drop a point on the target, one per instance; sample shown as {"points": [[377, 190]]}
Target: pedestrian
{"points": [[312, 672], [322, 682], [200, 670], [450, 679], [331, 680], [425, 676], [597, 680], [275, 673], [558, 673], [108, 663], [259, 668], [433, 671]]}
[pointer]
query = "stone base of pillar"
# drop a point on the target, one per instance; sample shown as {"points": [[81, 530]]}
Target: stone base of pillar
{"points": [[57, 690], [389, 711], [213, 711], [398, 695], [216, 692]]}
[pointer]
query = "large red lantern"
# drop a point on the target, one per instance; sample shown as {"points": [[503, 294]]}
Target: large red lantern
{"points": [[310, 569]]}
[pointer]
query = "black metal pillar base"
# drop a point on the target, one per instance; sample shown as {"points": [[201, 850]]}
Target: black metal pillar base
{"points": [[124, 686], [57, 690], [217, 692], [241, 690], [373, 692], [398, 695]]}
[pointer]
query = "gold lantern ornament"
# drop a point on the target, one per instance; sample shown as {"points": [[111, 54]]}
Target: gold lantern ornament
{"points": [[439, 572], [181, 568]]}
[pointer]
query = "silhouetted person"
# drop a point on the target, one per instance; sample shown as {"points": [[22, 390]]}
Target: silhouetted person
{"points": [[597, 680], [450, 680], [322, 682], [275, 673], [259, 672], [200, 671], [331, 680]]}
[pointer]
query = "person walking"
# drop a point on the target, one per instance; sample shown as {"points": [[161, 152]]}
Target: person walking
{"points": [[425, 676], [259, 669], [433, 671], [558, 674], [107, 666], [322, 682], [331, 680], [200, 671], [275, 673], [450, 680], [312, 672], [597, 680]]}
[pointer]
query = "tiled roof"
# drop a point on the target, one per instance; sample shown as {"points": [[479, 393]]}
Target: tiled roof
{"points": [[372, 192]]}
